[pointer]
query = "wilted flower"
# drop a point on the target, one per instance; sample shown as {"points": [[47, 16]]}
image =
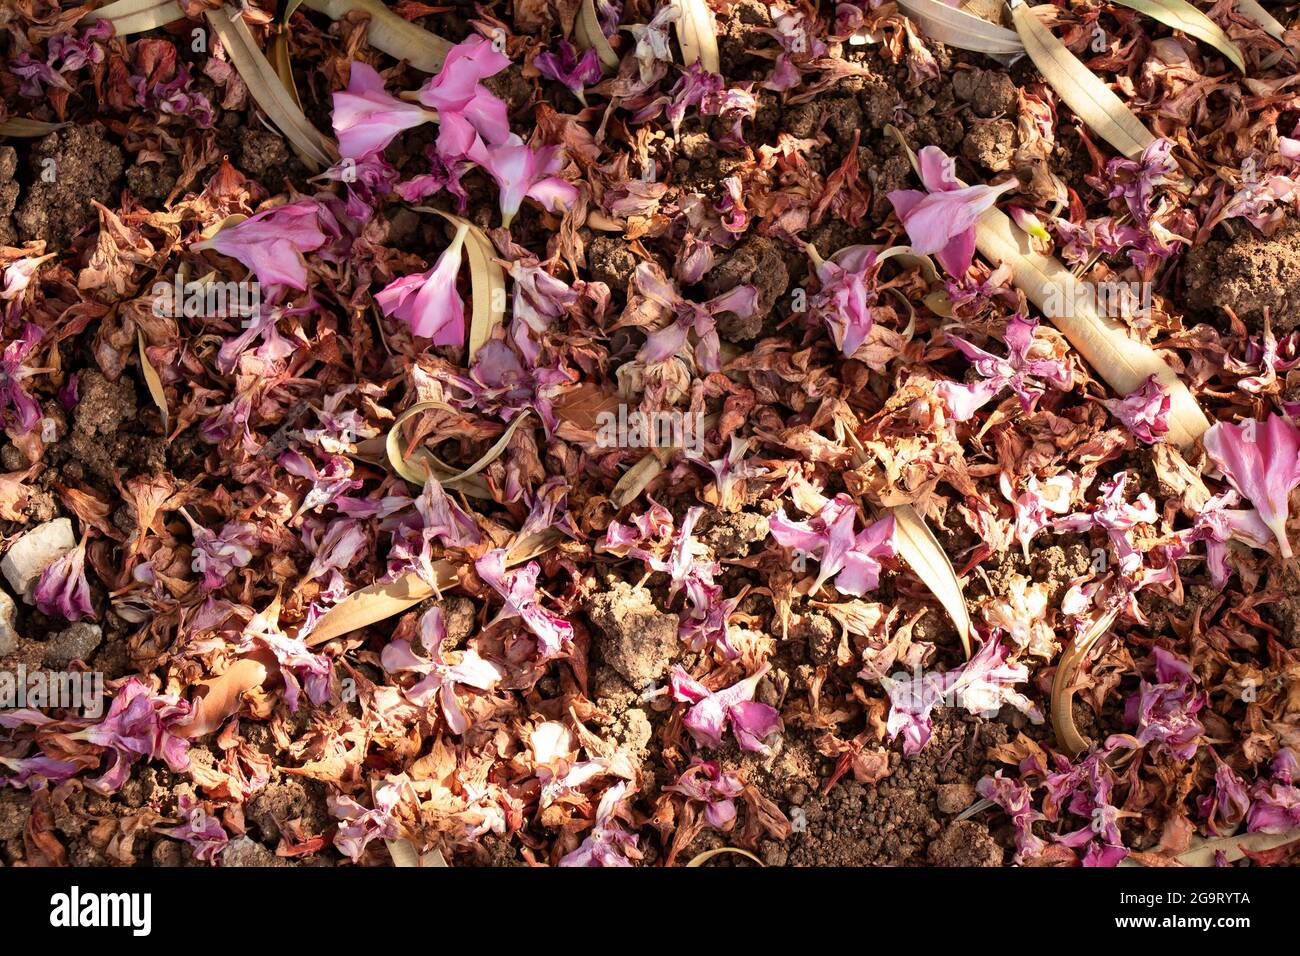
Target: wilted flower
{"points": [[466, 110], [573, 69], [653, 44], [1117, 517], [216, 554], [300, 669], [1262, 461], [981, 685], [366, 117], [712, 712], [704, 782], [1028, 360], [1165, 712], [608, 844], [272, 242], [138, 724], [35, 772], [63, 588], [519, 589], [1144, 411], [437, 518], [1217, 523], [941, 221], [1275, 804], [829, 537], [359, 826], [429, 302], [440, 678], [1016, 801], [199, 829], [847, 298], [669, 341], [25, 411], [1136, 182], [1225, 808]]}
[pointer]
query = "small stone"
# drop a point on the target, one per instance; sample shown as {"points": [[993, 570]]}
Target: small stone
{"points": [[8, 628], [637, 639], [246, 852], [34, 552], [75, 643], [954, 797], [966, 843]]}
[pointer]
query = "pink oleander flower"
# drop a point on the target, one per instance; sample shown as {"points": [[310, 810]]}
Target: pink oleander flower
{"points": [[847, 297], [1117, 517], [1144, 411], [608, 844], [1085, 789], [539, 299], [358, 826], [466, 110], [35, 772], [1275, 803], [1028, 360], [333, 552], [1165, 712], [437, 518], [1262, 461], [63, 588], [519, 589], [138, 724], [567, 66], [300, 670], [367, 117], [216, 554], [1217, 523], [429, 302], [1225, 808], [1016, 801], [25, 410], [829, 537], [1037, 503], [712, 712], [981, 685], [941, 221], [272, 242], [1136, 182], [662, 345], [520, 170], [199, 829], [18, 275], [704, 782], [729, 472], [440, 677]]}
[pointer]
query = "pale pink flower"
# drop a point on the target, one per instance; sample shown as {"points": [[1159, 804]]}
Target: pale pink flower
{"points": [[520, 170], [367, 117], [1262, 461], [429, 301], [272, 242]]}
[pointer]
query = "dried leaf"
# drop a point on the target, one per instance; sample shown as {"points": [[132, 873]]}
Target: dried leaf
{"points": [[707, 855], [487, 281], [388, 32], [587, 33], [1090, 98], [1267, 22], [137, 16], [1233, 848], [697, 34], [917, 545], [153, 381], [21, 126], [223, 696], [960, 29], [314, 149], [1063, 684], [428, 465], [1182, 16]]}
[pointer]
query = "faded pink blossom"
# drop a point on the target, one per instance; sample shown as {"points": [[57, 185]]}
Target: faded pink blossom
{"points": [[1262, 461], [941, 221], [367, 117], [520, 170], [829, 537], [712, 712], [63, 588], [440, 677], [1144, 411], [272, 242], [429, 302]]}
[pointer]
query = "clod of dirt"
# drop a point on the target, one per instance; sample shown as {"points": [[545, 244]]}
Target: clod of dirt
{"points": [[279, 804], [636, 638], [990, 145], [611, 261], [75, 643], [954, 797], [104, 407], [152, 181], [246, 852], [989, 92], [966, 843], [755, 261], [818, 634], [730, 535], [67, 169], [1249, 274], [9, 190], [263, 155]]}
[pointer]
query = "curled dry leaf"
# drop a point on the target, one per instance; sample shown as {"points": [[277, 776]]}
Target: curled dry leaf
{"points": [[708, 855], [957, 28], [137, 16], [1063, 684], [153, 381], [313, 147], [697, 34], [427, 465], [1091, 99], [587, 33], [1181, 15], [388, 32]]}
